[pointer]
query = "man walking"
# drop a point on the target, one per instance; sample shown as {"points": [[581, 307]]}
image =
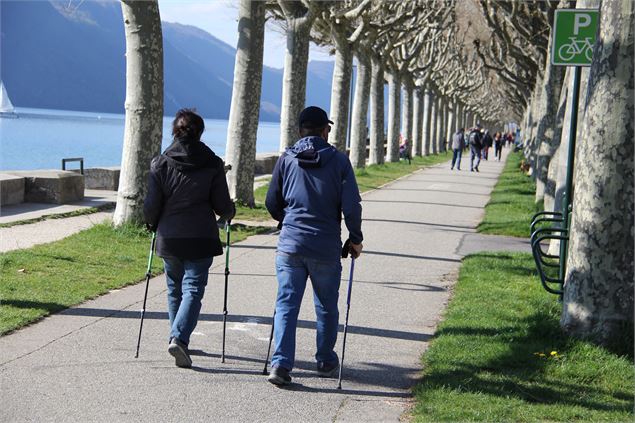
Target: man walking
{"points": [[312, 185], [458, 144], [476, 145]]}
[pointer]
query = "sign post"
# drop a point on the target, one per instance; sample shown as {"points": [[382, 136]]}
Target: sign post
{"points": [[574, 33]]}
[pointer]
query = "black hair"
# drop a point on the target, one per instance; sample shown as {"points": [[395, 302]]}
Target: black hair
{"points": [[188, 124]]}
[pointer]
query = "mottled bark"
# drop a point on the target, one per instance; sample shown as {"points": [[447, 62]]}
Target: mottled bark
{"points": [[417, 122], [144, 106], [359, 124], [598, 297], [434, 103], [427, 122], [341, 89], [394, 117], [545, 132], [407, 111], [438, 137], [377, 111], [451, 126], [245, 107], [299, 21]]}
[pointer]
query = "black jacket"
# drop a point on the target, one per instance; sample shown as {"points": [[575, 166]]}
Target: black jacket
{"points": [[186, 187]]}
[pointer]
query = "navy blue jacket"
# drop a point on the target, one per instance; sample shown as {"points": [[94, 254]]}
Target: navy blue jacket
{"points": [[312, 185]]}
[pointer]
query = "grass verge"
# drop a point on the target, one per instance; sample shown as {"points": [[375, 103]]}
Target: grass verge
{"points": [[509, 361], [368, 178], [37, 281], [80, 212], [512, 202]]}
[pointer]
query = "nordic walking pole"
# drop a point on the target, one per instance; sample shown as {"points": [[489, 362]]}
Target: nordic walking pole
{"points": [[348, 307], [273, 321], [227, 230], [145, 296]]}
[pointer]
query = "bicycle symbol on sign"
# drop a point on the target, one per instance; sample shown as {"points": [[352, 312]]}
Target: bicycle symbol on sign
{"points": [[575, 47]]}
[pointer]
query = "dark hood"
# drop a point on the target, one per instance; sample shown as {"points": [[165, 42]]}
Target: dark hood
{"points": [[185, 154], [312, 152]]}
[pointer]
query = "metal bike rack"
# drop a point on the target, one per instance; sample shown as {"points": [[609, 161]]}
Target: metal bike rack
{"points": [[546, 263]]}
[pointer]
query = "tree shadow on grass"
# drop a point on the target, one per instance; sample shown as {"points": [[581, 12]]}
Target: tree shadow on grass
{"points": [[519, 373]]}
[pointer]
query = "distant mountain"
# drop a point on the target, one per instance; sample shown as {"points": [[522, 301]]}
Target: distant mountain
{"points": [[56, 55]]}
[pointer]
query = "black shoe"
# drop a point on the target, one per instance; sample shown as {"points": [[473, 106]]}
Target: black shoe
{"points": [[327, 370], [279, 376], [178, 350], [476, 169]]}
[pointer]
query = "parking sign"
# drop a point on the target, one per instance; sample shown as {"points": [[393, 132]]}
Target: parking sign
{"points": [[574, 33]]}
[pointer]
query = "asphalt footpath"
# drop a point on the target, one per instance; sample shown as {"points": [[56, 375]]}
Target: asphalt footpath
{"points": [[79, 365]]}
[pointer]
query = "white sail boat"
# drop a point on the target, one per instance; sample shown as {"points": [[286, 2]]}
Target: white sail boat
{"points": [[6, 107]]}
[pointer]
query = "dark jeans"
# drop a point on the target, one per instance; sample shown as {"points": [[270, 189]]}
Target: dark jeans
{"points": [[475, 153], [456, 158]]}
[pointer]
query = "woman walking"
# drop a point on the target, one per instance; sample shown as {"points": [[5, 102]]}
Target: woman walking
{"points": [[498, 146], [187, 186]]}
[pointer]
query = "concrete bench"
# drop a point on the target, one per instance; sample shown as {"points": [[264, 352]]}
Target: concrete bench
{"points": [[102, 178], [11, 189], [265, 162], [51, 186]]}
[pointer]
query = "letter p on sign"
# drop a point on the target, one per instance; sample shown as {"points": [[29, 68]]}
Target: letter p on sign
{"points": [[581, 20]]}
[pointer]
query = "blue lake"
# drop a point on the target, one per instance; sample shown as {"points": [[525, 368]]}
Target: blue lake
{"points": [[40, 139]]}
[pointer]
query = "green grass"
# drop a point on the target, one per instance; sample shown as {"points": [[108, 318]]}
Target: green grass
{"points": [[368, 178], [37, 281], [499, 355], [512, 203]]}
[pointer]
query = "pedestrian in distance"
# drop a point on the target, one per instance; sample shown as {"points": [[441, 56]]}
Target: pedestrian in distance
{"points": [[475, 141], [498, 145], [311, 187], [487, 143], [187, 187], [458, 144]]}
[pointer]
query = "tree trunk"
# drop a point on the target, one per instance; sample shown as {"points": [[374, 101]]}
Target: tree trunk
{"points": [[446, 123], [341, 90], [427, 122], [245, 107], [451, 129], [377, 112], [144, 106], [407, 123], [545, 139], [296, 59], [417, 122], [598, 297], [359, 129], [439, 132], [394, 115], [434, 108]]}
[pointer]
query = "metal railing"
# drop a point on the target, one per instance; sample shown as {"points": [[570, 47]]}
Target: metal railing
{"points": [[74, 159]]}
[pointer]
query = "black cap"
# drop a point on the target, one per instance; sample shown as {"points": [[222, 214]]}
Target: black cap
{"points": [[313, 117]]}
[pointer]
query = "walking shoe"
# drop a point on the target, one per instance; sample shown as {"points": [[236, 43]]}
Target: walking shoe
{"points": [[178, 350], [327, 370], [476, 169], [279, 376]]}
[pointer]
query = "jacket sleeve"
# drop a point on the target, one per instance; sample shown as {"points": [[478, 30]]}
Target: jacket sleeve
{"points": [[275, 200], [220, 200], [153, 203], [351, 204]]}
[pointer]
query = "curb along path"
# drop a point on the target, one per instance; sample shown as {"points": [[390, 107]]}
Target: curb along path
{"points": [[78, 365]]}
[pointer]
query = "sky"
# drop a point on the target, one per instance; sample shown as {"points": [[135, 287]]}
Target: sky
{"points": [[220, 17]]}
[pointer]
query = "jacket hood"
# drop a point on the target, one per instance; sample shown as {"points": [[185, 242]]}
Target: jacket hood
{"points": [[186, 154], [311, 152]]}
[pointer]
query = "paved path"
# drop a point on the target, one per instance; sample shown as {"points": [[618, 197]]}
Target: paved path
{"points": [[78, 365]]}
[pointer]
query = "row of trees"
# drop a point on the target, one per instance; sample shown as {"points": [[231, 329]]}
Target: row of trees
{"points": [[448, 64]]}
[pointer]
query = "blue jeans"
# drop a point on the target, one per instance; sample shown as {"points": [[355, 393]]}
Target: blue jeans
{"points": [[186, 280], [456, 158], [475, 153], [292, 272]]}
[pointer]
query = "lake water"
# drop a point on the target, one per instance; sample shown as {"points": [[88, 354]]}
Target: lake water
{"points": [[40, 139]]}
